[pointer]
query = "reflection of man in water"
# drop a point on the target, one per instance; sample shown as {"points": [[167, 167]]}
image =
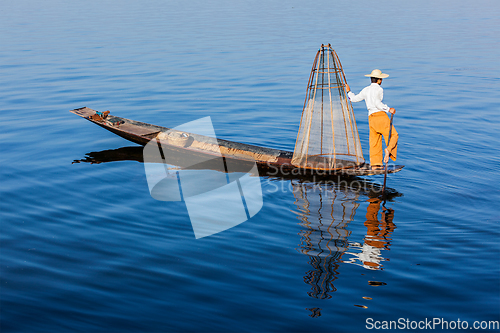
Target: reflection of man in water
{"points": [[378, 235]]}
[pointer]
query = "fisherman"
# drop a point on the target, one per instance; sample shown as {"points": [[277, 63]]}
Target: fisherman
{"points": [[378, 119]]}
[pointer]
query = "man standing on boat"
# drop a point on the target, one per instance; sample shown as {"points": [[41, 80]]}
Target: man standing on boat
{"points": [[378, 119]]}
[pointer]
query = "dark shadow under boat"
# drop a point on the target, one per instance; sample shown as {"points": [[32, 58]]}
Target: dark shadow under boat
{"points": [[188, 162]]}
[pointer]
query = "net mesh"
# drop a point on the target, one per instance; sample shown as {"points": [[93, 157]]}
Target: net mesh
{"points": [[328, 136]]}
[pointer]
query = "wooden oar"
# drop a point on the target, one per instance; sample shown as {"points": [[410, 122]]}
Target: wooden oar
{"points": [[386, 165]]}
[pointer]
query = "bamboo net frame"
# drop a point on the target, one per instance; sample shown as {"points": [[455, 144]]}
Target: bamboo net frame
{"points": [[328, 136]]}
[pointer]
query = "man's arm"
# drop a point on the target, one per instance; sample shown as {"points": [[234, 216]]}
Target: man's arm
{"points": [[353, 97]]}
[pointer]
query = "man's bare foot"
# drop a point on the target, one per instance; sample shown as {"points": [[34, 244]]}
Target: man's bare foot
{"points": [[377, 167], [386, 157]]}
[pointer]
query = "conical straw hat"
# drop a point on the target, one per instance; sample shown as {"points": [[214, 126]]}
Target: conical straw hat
{"points": [[378, 74]]}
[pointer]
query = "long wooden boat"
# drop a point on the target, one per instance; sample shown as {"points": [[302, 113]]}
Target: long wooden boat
{"points": [[196, 145]]}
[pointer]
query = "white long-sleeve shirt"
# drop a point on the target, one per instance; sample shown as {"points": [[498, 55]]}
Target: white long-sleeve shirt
{"points": [[373, 95]]}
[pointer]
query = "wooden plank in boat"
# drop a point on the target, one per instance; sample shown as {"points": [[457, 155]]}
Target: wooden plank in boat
{"points": [[367, 171], [83, 112], [135, 129]]}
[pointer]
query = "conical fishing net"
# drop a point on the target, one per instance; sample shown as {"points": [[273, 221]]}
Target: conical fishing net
{"points": [[328, 136]]}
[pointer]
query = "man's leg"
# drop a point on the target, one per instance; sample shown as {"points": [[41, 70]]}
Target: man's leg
{"points": [[381, 123], [375, 142], [392, 147]]}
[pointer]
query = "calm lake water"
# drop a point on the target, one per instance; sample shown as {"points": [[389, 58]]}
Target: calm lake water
{"points": [[84, 247]]}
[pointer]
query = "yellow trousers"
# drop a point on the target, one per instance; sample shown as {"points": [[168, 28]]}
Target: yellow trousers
{"points": [[380, 123]]}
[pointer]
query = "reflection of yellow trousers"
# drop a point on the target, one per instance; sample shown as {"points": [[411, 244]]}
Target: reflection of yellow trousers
{"points": [[380, 123]]}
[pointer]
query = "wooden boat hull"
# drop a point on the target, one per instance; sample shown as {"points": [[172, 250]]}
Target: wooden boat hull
{"points": [[240, 154]]}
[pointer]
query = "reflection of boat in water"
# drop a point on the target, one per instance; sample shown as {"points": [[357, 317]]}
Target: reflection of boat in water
{"points": [[325, 211]]}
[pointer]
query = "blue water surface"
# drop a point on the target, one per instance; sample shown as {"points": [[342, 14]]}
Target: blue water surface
{"points": [[84, 247]]}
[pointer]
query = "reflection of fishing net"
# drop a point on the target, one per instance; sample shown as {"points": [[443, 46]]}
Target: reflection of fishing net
{"points": [[328, 136], [324, 212]]}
